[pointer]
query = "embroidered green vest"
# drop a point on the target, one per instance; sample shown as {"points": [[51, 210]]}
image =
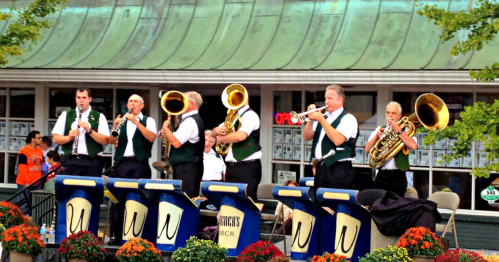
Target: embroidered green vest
{"points": [[401, 160], [189, 152], [141, 146], [247, 147], [93, 147], [328, 145]]}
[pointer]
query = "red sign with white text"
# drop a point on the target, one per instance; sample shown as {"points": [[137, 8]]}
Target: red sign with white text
{"points": [[284, 119]]}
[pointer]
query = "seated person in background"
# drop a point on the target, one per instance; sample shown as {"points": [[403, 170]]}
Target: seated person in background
{"points": [[214, 166], [394, 214], [288, 212]]}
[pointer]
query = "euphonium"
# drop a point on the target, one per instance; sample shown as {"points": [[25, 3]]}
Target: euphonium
{"points": [[430, 112], [234, 97], [173, 103]]}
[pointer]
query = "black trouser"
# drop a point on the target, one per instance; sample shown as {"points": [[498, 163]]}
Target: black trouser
{"points": [[190, 173], [83, 165], [391, 180], [338, 175], [129, 167], [249, 172]]}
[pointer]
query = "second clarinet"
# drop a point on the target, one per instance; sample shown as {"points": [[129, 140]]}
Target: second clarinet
{"points": [[116, 132]]}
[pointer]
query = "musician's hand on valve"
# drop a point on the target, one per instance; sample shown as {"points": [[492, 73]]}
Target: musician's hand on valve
{"points": [[380, 132], [166, 124], [311, 107], [395, 126], [316, 116], [220, 131]]}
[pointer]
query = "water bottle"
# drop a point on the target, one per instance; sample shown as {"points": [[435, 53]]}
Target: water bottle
{"points": [[52, 234], [43, 233]]}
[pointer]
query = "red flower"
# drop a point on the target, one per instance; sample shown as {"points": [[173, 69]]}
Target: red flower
{"points": [[420, 241]]}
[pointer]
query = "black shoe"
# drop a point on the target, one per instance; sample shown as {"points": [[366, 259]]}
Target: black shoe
{"points": [[114, 242]]}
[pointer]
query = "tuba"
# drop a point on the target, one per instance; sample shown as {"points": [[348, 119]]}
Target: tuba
{"points": [[173, 103], [234, 97], [430, 112]]}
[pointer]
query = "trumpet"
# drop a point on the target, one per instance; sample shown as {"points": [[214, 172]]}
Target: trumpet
{"points": [[116, 132], [303, 116]]}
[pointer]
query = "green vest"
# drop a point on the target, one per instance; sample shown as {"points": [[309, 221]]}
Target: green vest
{"points": [[247, 147], [141, 146], [328, 145], [189, 152], [401, 160], [93, 147]]}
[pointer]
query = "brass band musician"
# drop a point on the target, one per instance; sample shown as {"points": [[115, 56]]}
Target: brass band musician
{"points": [[187, 145], [337, 131], [391, 176]]}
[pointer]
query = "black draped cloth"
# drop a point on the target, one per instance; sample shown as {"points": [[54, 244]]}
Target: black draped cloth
{"points": [[393, 214]]}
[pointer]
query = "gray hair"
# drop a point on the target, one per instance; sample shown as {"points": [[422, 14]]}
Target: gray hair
{"points": [[339, 90], [395, 103], [194, 97], [141, 99], [208, 132]]}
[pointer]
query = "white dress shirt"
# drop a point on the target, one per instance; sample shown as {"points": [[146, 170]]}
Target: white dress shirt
{"points": [[214, 166], [347, 127], [130, 131], [390, 165], [60, 126], [188, 129], [251, 122]]}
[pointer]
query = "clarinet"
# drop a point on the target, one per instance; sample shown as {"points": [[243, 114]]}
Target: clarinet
{"points": [[116, 132], [77, 138]]}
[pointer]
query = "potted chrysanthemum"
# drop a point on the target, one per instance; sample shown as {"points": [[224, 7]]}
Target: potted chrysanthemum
{"points": [[82, 246], [138, 250], [23, 242]]}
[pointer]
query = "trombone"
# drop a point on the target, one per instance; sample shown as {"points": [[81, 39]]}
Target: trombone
{"points": [[303, 116]]}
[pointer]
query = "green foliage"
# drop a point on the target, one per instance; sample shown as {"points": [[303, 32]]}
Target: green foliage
{"points": [[391, 253], [479, 123], [199, 250], [27, 28], [481, 23]]}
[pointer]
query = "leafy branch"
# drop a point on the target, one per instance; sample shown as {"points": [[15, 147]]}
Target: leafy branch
{"points": [[27, 28], [479, 123], [482, 24]]}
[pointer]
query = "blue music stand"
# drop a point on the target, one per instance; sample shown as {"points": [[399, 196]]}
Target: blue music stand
{"points": [[178, 215], [352, 225], [141, 215], [78, 202], [307, 181], [239, 216], [305, 213]]}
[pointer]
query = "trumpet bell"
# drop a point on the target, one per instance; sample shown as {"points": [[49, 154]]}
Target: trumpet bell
{"points": [[174, 103], [234, 96]]}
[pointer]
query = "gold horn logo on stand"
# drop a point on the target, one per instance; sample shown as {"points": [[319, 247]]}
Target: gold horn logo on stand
{"points": [[77, 215], [135, 219], [168, 223]]}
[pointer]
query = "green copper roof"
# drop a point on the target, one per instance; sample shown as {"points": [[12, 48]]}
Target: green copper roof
{"points": [[246, 34]]}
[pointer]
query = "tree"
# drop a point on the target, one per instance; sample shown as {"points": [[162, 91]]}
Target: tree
{"points": [[479, 123], [482, 23], [27, 28]]}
